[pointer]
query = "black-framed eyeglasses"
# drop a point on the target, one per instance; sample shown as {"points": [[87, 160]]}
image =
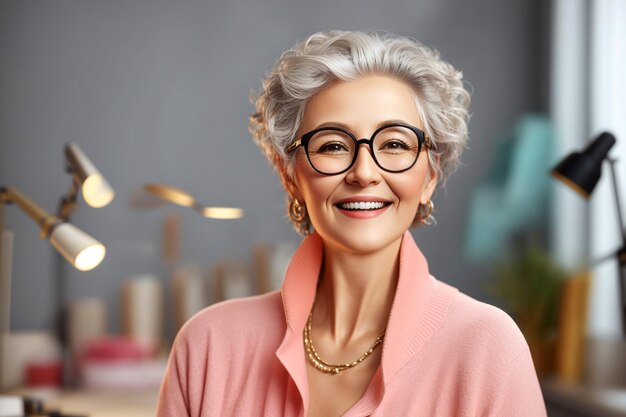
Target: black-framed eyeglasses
{"points": [[333, 150]]}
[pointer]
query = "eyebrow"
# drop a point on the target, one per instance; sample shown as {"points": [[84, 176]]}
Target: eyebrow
{"points": [[345, 126]]}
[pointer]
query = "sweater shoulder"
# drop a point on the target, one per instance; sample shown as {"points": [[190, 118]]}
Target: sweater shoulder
{"points": [[237, 317], [484, 328]]}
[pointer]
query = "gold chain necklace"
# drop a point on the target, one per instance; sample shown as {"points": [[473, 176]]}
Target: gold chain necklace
{"points": [[324, 366]]}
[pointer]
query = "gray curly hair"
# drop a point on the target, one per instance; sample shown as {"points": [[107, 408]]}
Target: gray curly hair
{"points": [[324, 57]]}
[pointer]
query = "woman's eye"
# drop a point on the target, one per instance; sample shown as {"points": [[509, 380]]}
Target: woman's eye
{"points": [[395, 145], [332, 147]]}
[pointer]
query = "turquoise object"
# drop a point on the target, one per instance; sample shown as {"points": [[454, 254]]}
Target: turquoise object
{"points": [[513, 197]]}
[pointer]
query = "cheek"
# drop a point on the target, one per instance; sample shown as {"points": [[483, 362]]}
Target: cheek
{"points": [[408, 188], [317, 191], [313, 188]]}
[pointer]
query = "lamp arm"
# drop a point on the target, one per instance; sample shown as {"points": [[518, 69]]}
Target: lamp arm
{"points": [[45, 220], [617, 201], [68, 201]]}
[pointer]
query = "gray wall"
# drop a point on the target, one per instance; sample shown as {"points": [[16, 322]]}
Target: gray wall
{"points": [[158, 91]]}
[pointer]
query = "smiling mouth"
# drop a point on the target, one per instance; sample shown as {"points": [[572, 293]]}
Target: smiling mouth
{"points": [[363, 205]]}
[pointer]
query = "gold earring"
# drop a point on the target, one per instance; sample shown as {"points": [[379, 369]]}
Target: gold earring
{"points": [[297, 211], [425, 213], [299, 217]]}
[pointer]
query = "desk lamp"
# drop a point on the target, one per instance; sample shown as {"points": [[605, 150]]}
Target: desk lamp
{"points": [[95, 189], [581, 171], [81, 250], [182, 198], [76, 246]]}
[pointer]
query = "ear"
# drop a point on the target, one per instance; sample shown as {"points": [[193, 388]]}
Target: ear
{"points": [[292, 187], [429, 187]]}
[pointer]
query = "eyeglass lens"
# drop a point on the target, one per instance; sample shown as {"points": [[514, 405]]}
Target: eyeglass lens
{"points": [[332, 151]]}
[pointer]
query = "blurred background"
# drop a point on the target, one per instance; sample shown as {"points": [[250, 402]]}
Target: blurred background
{"points": [[158, 92]]}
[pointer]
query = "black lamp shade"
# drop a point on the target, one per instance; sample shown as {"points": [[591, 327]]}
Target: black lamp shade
{"points": [[582, 170]]}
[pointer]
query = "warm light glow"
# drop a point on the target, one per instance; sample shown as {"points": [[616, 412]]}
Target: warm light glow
{"points": [[182, 198], [90, 257], [222, 212], [96, 191], [171, 194]]}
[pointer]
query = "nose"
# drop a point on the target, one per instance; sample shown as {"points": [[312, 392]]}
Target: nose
{"points": [[364, 171]]}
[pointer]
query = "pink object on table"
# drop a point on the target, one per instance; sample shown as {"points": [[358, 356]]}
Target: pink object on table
{"points": [[120, 363], [115, 349]]}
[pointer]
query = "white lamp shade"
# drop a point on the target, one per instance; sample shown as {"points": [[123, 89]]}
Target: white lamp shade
{"points": [[97, 192], [80, 249]]}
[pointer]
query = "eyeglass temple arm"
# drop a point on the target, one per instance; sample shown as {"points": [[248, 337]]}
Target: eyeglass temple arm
{"points": [[294, 145]]}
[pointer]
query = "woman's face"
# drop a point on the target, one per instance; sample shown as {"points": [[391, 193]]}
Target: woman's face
{"points": [[361, 107]]}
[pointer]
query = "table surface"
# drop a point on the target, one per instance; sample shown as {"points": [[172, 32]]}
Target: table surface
{"points": [[128, 403]]}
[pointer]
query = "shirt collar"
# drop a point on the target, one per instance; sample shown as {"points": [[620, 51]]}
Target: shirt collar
{"points": [[415, 313]]}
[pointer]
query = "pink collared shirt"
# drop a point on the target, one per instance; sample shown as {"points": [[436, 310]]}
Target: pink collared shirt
{"points": [[445, 354]]}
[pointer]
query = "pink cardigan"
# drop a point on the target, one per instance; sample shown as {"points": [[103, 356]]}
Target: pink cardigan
{"points": [[444, 354]]}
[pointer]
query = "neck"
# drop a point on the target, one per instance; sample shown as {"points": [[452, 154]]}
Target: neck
{"points": [[355, 293]]}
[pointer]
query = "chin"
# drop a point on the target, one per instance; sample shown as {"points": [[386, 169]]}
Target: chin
{"points": [[361, 240]]}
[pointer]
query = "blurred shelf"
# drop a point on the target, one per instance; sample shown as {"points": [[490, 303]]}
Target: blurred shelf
{"points": [[578, 400]]}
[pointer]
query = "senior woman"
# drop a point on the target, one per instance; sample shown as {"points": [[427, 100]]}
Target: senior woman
{"points": [[361, 128]]}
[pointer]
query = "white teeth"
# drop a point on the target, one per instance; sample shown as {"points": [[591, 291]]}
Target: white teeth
{"points": [[362, 205]]}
